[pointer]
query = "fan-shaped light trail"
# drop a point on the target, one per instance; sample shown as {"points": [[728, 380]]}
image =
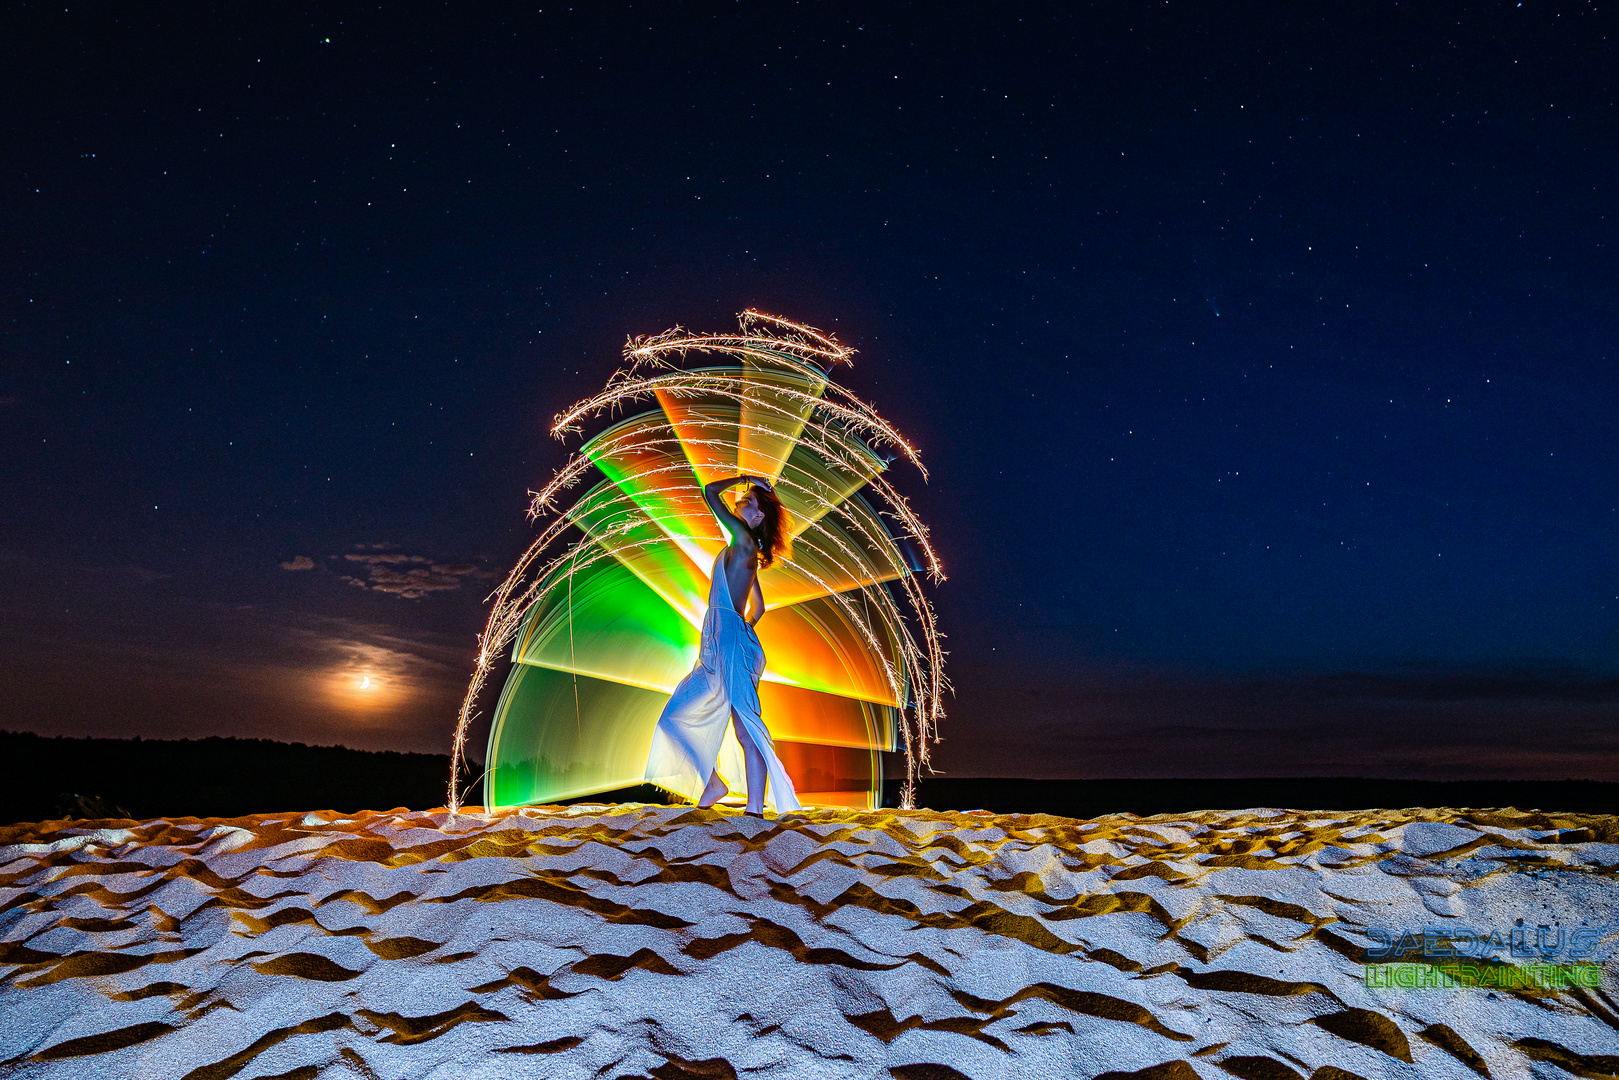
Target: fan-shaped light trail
{"points": [[602, 612]]}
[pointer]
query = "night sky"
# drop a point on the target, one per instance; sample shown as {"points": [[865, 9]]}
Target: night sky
{"points": [[1263, 359]]}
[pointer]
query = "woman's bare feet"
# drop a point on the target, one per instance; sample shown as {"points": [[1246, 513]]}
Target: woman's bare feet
{"points": [[714, 792]]}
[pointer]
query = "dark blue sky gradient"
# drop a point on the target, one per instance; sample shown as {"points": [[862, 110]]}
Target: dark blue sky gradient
{"points": [[1264, 361]]}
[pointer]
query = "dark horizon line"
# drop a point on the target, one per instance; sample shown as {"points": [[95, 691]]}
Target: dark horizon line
{"points": [[947, 778]]}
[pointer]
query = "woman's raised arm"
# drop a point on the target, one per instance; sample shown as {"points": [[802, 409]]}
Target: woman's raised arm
{"points": [[735, 526]]}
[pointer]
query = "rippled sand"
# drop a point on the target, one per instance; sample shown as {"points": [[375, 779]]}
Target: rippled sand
{"points": [[607, 942]]}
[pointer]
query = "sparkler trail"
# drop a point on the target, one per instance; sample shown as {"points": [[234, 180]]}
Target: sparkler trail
{"points": [[602, 611]]}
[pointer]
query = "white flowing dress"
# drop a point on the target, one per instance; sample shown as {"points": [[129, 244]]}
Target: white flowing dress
{"points": [[687, 741]]}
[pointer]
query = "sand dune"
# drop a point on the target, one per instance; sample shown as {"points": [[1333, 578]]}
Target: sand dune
{"points": [[608, 942]]}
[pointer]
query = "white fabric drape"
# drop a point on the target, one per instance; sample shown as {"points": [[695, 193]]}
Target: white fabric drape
{"points": [[687, 741]]}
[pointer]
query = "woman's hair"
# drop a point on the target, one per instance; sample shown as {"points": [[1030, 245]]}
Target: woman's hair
{"points": [[768, 534]]}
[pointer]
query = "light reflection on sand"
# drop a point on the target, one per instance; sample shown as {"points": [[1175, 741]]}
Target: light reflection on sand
{"points": [[657, 941]]}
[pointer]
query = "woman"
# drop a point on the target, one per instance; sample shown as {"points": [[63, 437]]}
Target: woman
{"points": [[724, 686]]}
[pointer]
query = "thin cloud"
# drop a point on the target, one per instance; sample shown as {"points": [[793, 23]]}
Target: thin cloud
{"points": [[410, 576], [301, 562], [1506, 722], [140, 575]]}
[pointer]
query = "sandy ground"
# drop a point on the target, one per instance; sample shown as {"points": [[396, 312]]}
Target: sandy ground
{"points": [[670, 942]]}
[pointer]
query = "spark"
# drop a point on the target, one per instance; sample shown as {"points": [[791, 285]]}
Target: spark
{"points": [[832, 426]]}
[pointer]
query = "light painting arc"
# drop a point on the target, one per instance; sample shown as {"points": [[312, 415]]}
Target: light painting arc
{"points": [[602, 611]]}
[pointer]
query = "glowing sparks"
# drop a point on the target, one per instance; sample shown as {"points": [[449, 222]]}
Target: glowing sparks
{"points": [[850, 627]]}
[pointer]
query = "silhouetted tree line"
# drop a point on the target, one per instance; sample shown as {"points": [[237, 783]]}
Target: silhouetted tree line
{"points": [[218, 777], [214, 777]]}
